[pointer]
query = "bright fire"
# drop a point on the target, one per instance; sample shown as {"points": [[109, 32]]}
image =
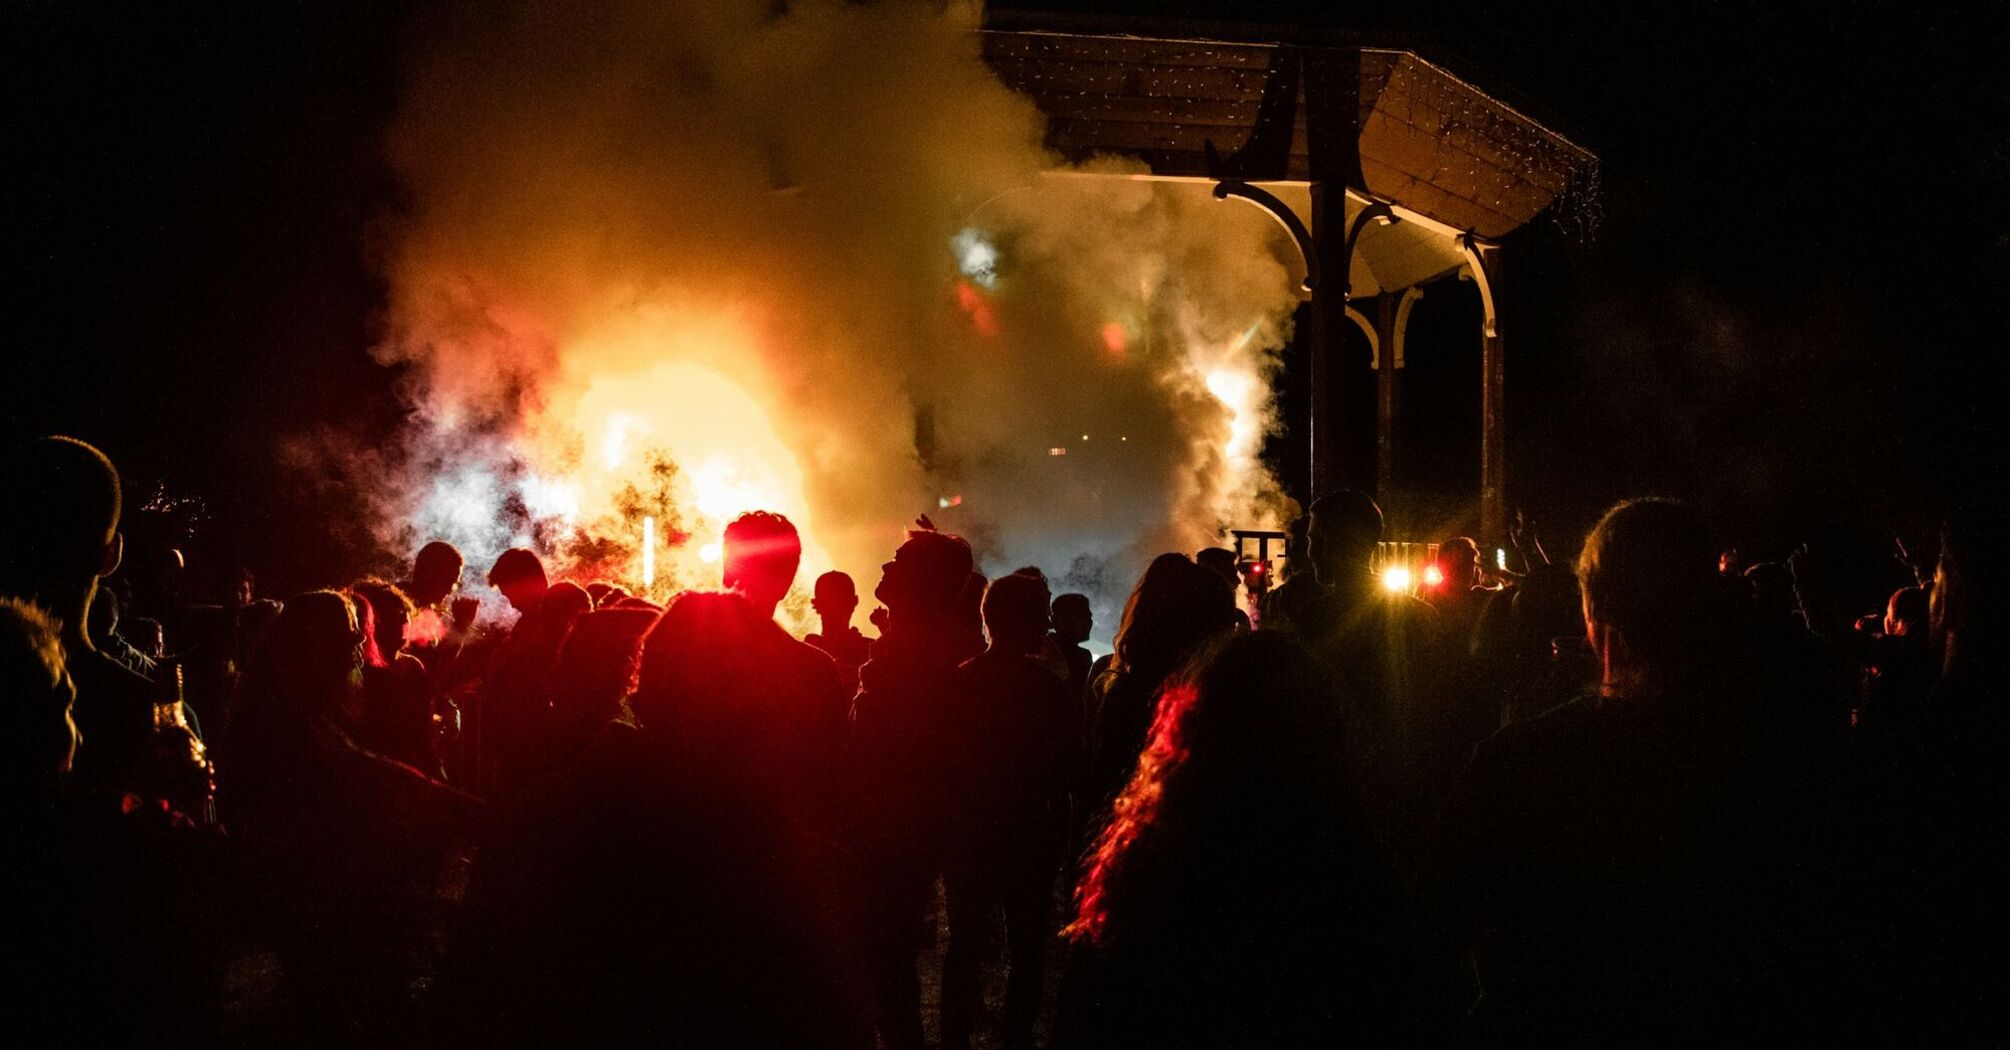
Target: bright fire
{"points": [[630, 477]]}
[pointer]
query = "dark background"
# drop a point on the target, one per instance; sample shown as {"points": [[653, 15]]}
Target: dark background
{"points": [[1792, 306]]}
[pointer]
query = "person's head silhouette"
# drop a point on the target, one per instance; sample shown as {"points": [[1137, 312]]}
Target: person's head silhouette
{"points": [[1459, 561], [1221, 562], [1015, 613], [1651, 591], [1341, 539], [1905, 614], [61, 533], [698, 668], [762, 552], [390, 611], [1073, 619], [1175, 607], [835, 599], [927, 574], [436, 573], [520, 577]]}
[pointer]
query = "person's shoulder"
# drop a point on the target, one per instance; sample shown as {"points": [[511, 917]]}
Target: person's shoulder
{"points": [[1532, 738], [803, 651], [103, 680], [1411, 608]]}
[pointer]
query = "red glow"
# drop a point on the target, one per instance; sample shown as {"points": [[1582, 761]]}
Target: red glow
{"points": [[1114, 338], [1135, 810], [972, 302], [426, 627], [1433, 576]]}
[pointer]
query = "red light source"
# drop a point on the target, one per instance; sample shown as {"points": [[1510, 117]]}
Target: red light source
{"points": [[1433, 576], [978, 307], [1115, 338]]}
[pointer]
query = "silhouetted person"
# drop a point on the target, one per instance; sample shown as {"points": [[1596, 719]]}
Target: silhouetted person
{"points": [[1226, 903], [1459, 596], [436, 576], [336, 837], [900, 752], [1073, 622], [1638, 864], [1017, 723], [398, 717], [61, 539], [50, 962], [593, 678], [1414, 732], [1221, 562], [663, 887], [1933, 800], [1899, 661], [1541, 660], [1177, 607], [806, 694], [515, 709], [834, 602], [442, 620], [970, 615], [519, 575], [104, 631], [1296, 590], [41, 739]]}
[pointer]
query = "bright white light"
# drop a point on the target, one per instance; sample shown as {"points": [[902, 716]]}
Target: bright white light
{"points": [[976, 257], [550, 499], [1500, 558], [710, 553], [648, 551], [723, 490], [614, 443], [1396, 579], [1433, 575]]}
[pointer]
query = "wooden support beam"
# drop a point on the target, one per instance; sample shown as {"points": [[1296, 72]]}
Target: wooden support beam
{"points": [[1485, 260], [1386, 393]]}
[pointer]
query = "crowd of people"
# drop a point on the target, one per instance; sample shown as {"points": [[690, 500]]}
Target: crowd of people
{"points": [[1654, 796]]}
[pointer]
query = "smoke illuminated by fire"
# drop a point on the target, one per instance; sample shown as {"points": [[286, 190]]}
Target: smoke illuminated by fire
{"points": [[681, 261]]}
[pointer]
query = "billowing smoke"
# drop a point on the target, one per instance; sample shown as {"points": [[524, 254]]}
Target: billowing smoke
{"points": [[683, 260]]}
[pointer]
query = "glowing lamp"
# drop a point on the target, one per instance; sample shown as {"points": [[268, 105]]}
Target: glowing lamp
{"points": [[1396, 579], [1501, 558], [1433, 576], [709, 553]]}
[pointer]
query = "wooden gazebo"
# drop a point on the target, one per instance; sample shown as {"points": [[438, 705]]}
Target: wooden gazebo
{"points": [[1388, 169]]}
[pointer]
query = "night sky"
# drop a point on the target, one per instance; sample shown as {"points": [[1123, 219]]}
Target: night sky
{"points": [[1792, 307]]}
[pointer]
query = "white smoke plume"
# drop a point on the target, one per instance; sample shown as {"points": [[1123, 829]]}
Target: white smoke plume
{"points": [[687, 259]]}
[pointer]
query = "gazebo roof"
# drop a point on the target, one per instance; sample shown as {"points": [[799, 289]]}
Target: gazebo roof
{"points": [[1190, 102]]}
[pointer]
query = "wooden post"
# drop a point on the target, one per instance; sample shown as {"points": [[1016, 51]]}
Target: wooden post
{"points": [[1493, 397], [1329, 317], [1385, 394]]}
